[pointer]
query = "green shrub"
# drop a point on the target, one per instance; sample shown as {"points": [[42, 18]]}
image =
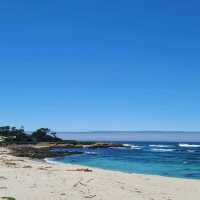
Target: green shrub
{"points": [[8, 198]]}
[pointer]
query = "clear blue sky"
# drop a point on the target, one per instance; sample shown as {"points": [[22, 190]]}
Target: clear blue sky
{"points": [[100, 65]]}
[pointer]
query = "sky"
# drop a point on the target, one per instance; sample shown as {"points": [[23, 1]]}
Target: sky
{"points": [[100, 65]]}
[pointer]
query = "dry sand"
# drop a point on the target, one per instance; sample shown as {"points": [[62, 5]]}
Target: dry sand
{"points": [[25, 179]]}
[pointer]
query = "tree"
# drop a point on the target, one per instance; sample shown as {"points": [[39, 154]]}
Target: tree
{"points": [[54, 134], [40, 135], [44, 135], [13, 135]]}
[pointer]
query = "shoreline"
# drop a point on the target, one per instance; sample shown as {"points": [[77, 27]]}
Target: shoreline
{"points": [[56, 163], [23, 179]]}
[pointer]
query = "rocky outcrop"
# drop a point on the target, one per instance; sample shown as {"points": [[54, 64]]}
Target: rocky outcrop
{"points": [[31, 151]]}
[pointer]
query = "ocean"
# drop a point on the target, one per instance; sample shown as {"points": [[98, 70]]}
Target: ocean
{"points": [[171, 159], [155, 158]]}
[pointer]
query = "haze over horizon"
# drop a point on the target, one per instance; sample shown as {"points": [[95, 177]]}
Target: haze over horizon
{"points": [[100, 65]]}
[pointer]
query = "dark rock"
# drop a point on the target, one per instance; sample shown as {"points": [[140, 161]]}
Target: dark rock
{"points": [[37, 152]]}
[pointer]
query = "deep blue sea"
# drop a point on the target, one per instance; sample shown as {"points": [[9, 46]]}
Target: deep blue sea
{"points": [[173, 159]]}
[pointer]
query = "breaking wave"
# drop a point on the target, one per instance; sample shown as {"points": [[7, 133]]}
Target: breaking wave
{"points": [[163, 150], [189, 145], [160, 145], [131, 146]]}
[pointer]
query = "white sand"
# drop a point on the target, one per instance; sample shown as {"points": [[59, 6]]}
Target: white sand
{"points": [[30, 180]]}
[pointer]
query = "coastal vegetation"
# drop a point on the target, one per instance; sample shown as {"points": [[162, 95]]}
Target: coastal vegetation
{"points": [[12, 135], [42, 143], [8, 198]]}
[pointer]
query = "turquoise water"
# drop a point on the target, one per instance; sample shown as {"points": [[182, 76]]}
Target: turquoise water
{"points": [[156, 158]]}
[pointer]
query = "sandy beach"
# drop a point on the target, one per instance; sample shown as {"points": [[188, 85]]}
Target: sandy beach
{"points": [[25, 179]]}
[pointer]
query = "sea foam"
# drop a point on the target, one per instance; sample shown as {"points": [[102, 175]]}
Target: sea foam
{"points": [[53, 161], [163, 150], [189, 145], [160, 145], [90, 152], [131, 146]]}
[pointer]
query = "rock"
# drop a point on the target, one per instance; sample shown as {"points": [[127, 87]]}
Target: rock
{"points": [[36, 152]]}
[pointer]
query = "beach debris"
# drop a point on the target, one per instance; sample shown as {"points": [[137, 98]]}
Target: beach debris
{"points": [[44, 168], [79, 170], [137, 190], [3, 188], [10, 164], [90, 196], [20, 160], [2, 178], [41, 168], [27, 167]]}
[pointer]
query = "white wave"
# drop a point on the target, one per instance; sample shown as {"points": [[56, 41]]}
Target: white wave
{"points": [[189, 145], [135, 147], [90, 153], [53, 161], [126, 145], [132, 146], [162, 150], [160, 145]]}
